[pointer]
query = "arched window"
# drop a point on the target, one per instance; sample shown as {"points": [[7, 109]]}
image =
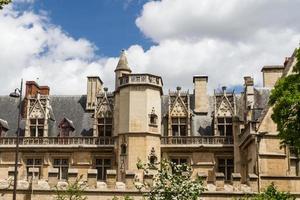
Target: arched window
{"points": [[123, 149]]}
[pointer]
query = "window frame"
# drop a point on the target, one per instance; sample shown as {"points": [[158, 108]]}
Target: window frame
{"points": [[102, 167], [179, 123], [60, 166], [36, 126], [226, 167], [105, 126]]}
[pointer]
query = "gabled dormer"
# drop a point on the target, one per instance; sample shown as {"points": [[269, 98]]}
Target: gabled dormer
{"points": [[37, 110], [179, 113], [66, 127], [3, 127], [103, 115], [224, 111]]}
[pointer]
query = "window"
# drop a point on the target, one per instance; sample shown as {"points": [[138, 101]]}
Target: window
{"points": [[226, 166], [34, 163], [225, 126], [102, 164], [65, 129], [63, 165], [105, 126], [179, 126], [179, 161], [37, 127], [153, 119], [123, 149]]}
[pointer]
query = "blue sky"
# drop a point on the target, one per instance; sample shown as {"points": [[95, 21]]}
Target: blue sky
{"points": [[109, 24], [61, 42]]}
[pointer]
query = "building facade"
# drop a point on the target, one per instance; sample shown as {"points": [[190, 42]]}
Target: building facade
{"points": [[229, 139]]}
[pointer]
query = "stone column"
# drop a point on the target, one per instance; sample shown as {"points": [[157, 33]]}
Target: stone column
{"points": [[220, 178], [203, 176], [129, 179], [92, 178], [72, 175], [236, 181], [52, 177], [253, 182], [111, 178]]}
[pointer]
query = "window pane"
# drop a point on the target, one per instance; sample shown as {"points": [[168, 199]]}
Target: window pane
{"points": [[41, 122], [221, 130], [175, 130], [229, 120], [229, 130], [183, 131], [221, 120], [33, 121], [108, 121], [38, 162], [174, 120], [175, 161], [56, 162], [40, 132], [32, 131], [29, 162], [101, 130], [221, 161], [101, 120], [230, 162], [64, 172], [182, 120], [108, 130], [98, 161], [107, 162], [183, 161]]}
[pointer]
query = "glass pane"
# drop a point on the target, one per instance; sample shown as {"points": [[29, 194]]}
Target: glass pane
{"points": [[222, 169], [221, 130], [33, 121], [32, 131], [229, 120], [29, 162], [108, 130], [174, 120], [99, 173], [101, 130], [221, 120], [175, 161], [230, 162], [107, 162], [221, 161], [175, 130], [101, 120], [182, 120], [56, 162], [183, 131], [38, 162], [65, 162], [64, 172], [41, 121], [183, 161], [98, 161], [108, 120], [40, 132], [229, 130]]}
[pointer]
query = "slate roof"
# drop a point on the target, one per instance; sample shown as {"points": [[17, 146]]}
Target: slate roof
{"points": [[73, 108]]}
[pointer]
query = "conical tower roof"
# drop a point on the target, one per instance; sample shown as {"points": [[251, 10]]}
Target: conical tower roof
{"points": [[123, 63]]}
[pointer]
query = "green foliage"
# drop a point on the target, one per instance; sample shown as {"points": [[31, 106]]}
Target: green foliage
{"points": [[171, 182], [285, 98], [125, 198], [74, 191], [271, 193], [4, 2]]}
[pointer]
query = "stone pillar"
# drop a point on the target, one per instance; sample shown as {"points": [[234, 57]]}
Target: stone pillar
{"points": [[52, 177], [148, 179], [220, 178], [111, 178], [253, 182], [92, 178], [236, 181], [203, 176], [11, 171], [129, 179], [72, 175]]}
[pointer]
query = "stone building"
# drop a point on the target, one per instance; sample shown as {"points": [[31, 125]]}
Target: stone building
{"points": [[229, 139]]}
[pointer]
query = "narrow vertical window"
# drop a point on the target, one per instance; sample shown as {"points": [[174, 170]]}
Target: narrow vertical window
{"points": [[62, 164], [37, 127], [179, 126], [102, 165], [226, 166], [104, 127]]}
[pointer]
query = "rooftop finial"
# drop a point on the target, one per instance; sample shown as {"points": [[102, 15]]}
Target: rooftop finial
{"points": [[123, 63]]}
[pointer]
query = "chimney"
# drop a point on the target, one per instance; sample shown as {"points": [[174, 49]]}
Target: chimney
{"points": [[200, 93], [249, 91], [271, 74], [32, 89], [94, 86]]}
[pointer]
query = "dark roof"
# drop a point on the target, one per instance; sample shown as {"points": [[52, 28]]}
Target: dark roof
{"points": [[73, 109], [272, 67]]}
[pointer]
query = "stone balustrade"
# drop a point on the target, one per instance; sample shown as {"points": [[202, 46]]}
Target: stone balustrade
{"points": [[196, 140], [135, 79], [57, 142]]}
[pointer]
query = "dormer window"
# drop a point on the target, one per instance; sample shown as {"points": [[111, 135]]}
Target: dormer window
{"points": [[179, 126], [225, 126], [37, 127], [3, 127], [104, 127], [66, 127]]}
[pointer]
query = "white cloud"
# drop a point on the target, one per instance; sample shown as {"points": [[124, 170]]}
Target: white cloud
{"points": [[225, 40], [32, 48]]}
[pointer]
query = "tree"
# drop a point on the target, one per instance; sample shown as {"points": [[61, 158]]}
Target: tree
{"points": [[271, 193], [4, 2], [74, 191], [171, 182], [285, 99]]}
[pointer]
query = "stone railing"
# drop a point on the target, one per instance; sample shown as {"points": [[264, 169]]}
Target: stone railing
{"points": [[141, 79], [197, 140], [57, 141]]}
